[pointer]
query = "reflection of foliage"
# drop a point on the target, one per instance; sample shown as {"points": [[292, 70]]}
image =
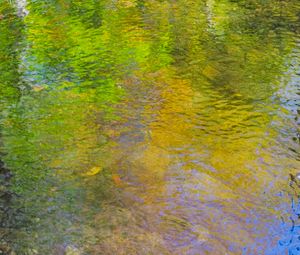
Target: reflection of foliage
{"points": [[209, 65], [70, 50], [10, 34], [235, 56]]}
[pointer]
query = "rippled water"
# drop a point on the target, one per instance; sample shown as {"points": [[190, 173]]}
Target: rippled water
{"points": [[150, 127]]}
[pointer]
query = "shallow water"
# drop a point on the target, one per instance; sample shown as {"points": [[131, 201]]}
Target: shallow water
{"points": [[150, 127]]}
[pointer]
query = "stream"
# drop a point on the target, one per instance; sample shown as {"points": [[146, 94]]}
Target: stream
{"points": [[150, 127]]}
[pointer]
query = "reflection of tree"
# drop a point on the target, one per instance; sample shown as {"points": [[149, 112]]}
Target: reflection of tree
{"points": [[230, 70], [77, 58], [209, 66], [234, 54], [244, 49], [10, 35]]}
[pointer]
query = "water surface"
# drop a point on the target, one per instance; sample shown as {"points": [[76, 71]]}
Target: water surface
{"points": [[150, 127]]}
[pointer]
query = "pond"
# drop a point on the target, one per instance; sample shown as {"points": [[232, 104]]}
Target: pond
{"points": [[150, 127]]}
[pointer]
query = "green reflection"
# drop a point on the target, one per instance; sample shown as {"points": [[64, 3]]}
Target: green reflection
{"points": [[148, 127]]}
